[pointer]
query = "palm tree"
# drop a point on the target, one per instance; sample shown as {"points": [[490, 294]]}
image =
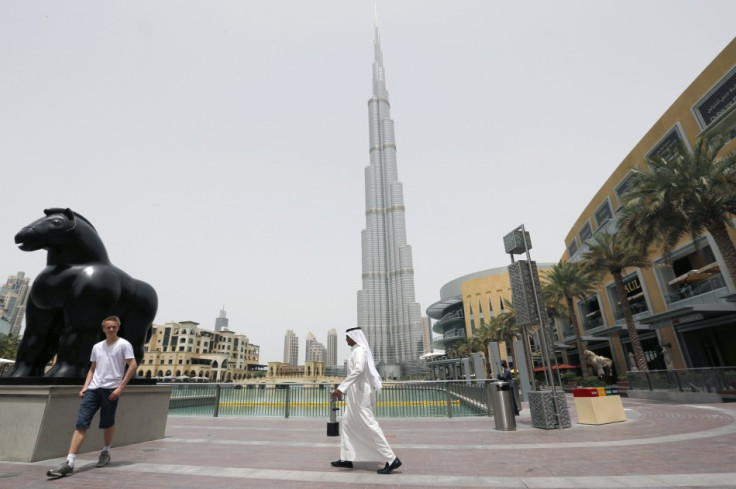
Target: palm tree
{"points": [[613, 253], [683, 196], [506, 328], [565, 281]]}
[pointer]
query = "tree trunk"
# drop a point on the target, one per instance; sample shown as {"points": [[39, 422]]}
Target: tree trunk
{"points": [[719, 232], [578, 337], [641, 361]]}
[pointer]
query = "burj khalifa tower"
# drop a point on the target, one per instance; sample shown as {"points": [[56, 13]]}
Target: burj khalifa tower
{"points": [[387, 311]]}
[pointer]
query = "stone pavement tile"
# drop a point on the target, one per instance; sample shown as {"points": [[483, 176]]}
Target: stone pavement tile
{"points": [[691, 444]]}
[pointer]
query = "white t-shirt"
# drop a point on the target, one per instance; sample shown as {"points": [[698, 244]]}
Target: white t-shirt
{"points": [[110, 363]]}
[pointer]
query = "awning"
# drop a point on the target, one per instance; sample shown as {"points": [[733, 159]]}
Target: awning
{"points": [[620, 330], [689, 314], [697, 275], [591, 339], [431, 355], [562, 366]]}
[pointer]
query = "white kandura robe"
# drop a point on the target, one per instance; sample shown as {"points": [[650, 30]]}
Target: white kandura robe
{"points": [[362, 439]]}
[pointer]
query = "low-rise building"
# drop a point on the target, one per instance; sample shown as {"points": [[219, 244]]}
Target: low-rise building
{"points": [[185, 351]]}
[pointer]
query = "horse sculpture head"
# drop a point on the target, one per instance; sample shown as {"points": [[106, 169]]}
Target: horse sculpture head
{"points": [[68, 237]]}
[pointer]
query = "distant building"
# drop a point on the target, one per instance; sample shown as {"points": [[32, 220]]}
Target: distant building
{"points": [[13, 298], [331, 348], [221, 321], [465, 304], [182, 349], [291, 348], [315, 351], [426, 336], [469, 301]]}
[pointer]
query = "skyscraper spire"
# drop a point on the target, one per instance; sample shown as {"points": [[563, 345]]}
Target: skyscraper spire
{"points": [[390, 318]]}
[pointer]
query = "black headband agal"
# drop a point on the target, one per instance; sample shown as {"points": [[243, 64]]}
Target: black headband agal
{"points": [[351, 329]]}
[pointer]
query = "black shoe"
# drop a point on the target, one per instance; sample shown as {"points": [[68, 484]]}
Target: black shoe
{"points": [[389, 468], [61, 470], [343, 463]]}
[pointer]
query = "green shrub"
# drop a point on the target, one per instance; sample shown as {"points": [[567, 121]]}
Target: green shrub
{"points": [[591, 382], [569, 377]]}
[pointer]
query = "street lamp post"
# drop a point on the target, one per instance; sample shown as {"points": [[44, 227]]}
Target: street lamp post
{"points": [[518, 242]]}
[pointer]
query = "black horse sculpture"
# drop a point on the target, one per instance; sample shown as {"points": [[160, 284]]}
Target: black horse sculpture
{"points": [[71, 296]]}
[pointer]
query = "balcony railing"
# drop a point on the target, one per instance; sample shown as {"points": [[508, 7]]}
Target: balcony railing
{"points": [[396, 399], [720, 380]]}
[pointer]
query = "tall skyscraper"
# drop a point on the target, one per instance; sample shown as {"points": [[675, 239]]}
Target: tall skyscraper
{"points": [[331, 348], [387, 312], [309, 347], [15, 294], [221, 321], [291, 348], [315, 351]]}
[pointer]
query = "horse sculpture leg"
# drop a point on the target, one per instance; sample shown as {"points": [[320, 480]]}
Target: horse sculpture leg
{"points": [[136, 328], [75, 345], [137, 320], [38, 345]]}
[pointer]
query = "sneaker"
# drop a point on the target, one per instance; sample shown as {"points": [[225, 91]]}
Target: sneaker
{"points": [[104, 458], [61, 470]]}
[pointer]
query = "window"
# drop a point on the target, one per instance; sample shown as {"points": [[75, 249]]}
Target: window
{"points": [[603, 214], [669, 146], [693, 272], [623, 187], [717, 102], [634, 296], [572, 247], [585, 233], [590, 311]]}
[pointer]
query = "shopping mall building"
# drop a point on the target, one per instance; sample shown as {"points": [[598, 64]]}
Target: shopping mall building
{"points": [[685, 307], [685, 303]]}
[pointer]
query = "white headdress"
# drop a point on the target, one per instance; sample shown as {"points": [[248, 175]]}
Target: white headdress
{"points": [[356, 334]]}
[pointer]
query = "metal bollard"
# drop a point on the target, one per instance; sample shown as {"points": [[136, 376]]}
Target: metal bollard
{"points": [[333, 427]]}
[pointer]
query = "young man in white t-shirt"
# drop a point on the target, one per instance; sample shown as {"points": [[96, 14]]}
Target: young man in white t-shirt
{"points": [[103, 386]]}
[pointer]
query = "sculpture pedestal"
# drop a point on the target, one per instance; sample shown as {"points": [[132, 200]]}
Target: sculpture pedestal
{"points": [[37, 421]]}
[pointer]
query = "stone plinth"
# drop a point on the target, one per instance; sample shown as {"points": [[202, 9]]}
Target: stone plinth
{"points": [[37, 421]]}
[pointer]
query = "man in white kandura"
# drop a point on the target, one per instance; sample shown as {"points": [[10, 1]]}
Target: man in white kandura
{"points": [[362, 438]]}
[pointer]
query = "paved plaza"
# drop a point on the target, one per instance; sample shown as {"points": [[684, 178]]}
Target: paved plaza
{"points": [[660, 445]]}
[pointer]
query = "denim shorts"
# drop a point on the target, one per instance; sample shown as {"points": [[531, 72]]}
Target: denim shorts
{"points": [[93, 400]]}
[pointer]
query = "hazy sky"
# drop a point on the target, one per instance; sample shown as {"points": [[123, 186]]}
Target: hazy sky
{"points": [[219, 147]]}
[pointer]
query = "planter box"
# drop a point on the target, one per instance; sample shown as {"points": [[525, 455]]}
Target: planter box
{"points": [[599, 410]]}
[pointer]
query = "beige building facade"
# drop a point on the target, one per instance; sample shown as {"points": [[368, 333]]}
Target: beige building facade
{"points": [[184, 351]]}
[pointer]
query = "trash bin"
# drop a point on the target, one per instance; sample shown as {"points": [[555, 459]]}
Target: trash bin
{"points": [[503, 413]]}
